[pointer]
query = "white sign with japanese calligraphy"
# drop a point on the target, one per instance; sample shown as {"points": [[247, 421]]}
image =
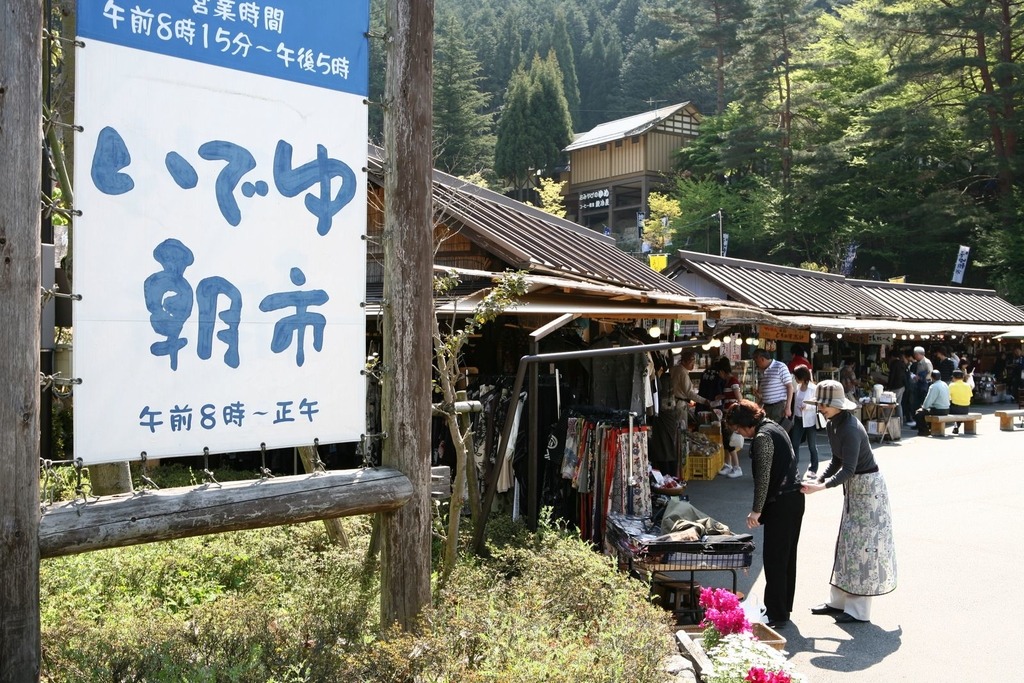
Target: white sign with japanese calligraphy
{"points": [[219, 254], [961, 264]]}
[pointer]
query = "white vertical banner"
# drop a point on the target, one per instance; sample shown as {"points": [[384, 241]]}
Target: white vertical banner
{"points": [[961, 264], [219, 254]]}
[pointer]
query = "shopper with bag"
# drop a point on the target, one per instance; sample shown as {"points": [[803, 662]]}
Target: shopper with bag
{"points": [[865, 557], [778, 505], [804, 418]]}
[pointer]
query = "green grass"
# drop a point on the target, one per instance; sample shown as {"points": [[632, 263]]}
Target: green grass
{"points": [[285, 605]]}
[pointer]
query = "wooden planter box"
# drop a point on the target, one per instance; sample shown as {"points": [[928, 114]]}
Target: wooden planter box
{"points": [[762, 632]]}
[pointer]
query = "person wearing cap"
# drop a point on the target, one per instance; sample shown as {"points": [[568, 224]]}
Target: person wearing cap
{"points": [[865, 555], [936, 402], [778, 505], [960, 394]]}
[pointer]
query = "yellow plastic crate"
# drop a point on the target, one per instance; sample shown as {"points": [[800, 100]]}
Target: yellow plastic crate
{"points": [[704, 467]]}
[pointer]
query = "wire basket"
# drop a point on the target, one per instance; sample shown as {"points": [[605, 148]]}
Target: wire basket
{"points": [[633, 539]]}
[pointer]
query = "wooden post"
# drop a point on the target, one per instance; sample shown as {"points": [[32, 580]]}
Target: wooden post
{"points": [[21, 44], [335, 530], [472, 481], [408, 305]]}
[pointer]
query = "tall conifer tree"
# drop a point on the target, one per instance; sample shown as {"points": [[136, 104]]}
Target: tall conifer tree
{"points": [[463, 138], [562, 46], [512, 151], [549, 113], [600, 64]]}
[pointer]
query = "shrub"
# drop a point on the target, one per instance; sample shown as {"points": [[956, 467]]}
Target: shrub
{"points": [[285, 605]]}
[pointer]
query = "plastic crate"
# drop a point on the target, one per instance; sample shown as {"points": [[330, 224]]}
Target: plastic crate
{"points": [[704, 467]]}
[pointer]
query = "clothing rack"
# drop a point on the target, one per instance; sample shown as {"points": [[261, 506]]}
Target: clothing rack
{"points": [[606, 460]]}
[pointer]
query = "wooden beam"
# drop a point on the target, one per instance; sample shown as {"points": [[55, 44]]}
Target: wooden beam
{"points": [[148, 516], [21, 140]]}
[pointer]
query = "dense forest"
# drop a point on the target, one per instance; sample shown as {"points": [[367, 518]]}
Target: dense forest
{"points": [[883, 129]]}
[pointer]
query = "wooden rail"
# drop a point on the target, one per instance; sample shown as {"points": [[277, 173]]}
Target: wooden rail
{"points": [[160, 515]]}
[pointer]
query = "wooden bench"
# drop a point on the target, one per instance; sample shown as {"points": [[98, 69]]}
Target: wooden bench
{"points": [[1006, 419], [938, 423]]}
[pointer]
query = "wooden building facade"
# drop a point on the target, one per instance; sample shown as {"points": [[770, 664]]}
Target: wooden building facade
{"points": [[615, 166]]}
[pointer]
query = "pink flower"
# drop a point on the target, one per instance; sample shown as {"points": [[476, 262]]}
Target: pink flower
{"points": [[759, 675], [722, 611]]}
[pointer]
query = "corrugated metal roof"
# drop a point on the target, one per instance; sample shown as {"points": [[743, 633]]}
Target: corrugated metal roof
{"points": [[549, 294], [937, 303], [530, 239], [624, 128], [780, 289]]}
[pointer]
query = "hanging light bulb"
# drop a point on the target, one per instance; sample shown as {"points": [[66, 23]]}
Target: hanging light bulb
{"points": [[655, 331], [839, 335], [911, 336], [706, 347], [903, 337], [716, 343], [726, 339], [814, 335]]}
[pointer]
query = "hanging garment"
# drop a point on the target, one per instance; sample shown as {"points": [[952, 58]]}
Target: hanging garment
{"points": [[571, 458], [507, 476], [632, 472]]}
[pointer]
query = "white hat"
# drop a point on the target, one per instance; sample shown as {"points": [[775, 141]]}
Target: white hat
{"points": [[830, 393]]}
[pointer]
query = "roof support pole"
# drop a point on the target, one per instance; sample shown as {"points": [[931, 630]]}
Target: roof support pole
{"points": [[533, 403]]}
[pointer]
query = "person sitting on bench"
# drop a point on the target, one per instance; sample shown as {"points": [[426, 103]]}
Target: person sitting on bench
{"points": [[959, 397], [936, 402]]}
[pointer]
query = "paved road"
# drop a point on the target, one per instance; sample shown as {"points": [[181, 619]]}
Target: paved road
{"points": [[958, 611]]}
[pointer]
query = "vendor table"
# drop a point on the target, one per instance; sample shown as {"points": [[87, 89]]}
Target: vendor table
{"points": [[881, 420], [671, 566]]}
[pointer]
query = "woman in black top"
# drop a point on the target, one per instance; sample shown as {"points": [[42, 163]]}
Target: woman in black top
{"points": [[865, 559], [778, 505]]}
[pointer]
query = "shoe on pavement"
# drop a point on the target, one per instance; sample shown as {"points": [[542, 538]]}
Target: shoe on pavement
{"points": [[825, 608], [777, 623], [726, 469], [736, 473], [845, 618], [956, 430], [911, 424], [811, 474]]}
